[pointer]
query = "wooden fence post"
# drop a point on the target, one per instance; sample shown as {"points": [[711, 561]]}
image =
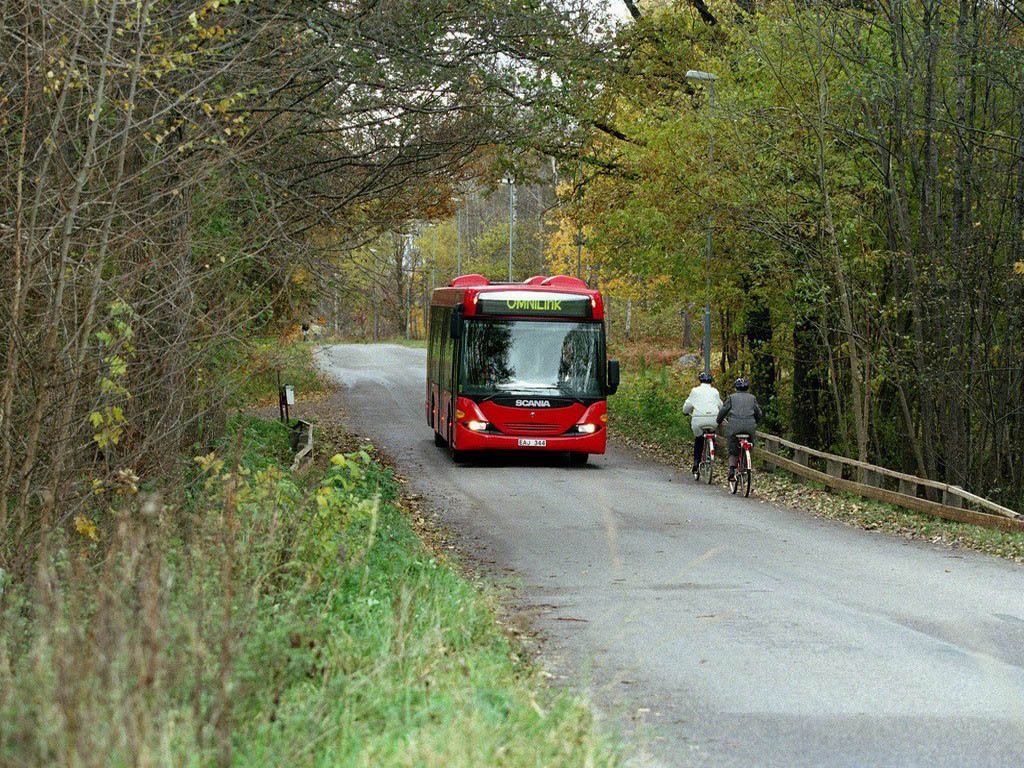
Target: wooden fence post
{"points": [[908, 488], [951, 499], [869, 477], [834, 468]]}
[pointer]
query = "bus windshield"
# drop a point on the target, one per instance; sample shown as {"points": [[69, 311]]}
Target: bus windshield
{"points": [[554, 358]]}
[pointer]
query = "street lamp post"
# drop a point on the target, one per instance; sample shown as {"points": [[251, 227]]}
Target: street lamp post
{"points": [[580, 242], [510, 180], [458, 240], [408, 287], [373, 299], [710, 79]]}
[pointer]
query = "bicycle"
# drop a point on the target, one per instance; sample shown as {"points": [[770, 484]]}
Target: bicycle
{"points": [[741, 478], [705, 469]]}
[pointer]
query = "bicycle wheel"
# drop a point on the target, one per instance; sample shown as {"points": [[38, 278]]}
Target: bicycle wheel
{"points": [[747, 473], [707, 466]]}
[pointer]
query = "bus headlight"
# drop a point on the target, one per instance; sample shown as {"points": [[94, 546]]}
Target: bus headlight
{"points": [[477, 426], [586, 429]]}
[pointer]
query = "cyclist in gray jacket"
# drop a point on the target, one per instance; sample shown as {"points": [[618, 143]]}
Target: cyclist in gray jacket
{"points": [[743, 413]]}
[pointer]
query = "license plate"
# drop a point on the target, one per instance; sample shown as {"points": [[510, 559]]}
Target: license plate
{"points": [[532, 442]]}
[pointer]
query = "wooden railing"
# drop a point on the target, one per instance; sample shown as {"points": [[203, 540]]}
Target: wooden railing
{"points": [[950, 502]]}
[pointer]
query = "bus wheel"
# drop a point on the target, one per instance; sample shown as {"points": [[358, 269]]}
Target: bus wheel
{"points": [[438, 440], [578, 459], [454, 454]]}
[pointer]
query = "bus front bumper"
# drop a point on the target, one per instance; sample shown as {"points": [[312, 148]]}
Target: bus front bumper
{"points": [[468, 440]]}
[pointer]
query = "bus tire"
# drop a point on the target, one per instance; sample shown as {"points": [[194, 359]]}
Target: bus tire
{"points": [[438, 440], [578, 459], [455, 455]]}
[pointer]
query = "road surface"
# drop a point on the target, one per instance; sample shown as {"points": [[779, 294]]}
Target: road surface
{"points": [[721, 631]]}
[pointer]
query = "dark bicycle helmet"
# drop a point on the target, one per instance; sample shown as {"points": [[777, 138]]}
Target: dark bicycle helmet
{"points": [[705, 378], [742, 385]]}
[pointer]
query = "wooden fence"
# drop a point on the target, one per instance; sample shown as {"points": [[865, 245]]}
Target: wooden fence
{"points": [[871, 482]]}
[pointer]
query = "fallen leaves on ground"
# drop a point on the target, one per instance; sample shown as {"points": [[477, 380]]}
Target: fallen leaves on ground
{"points": [[779, 488]]}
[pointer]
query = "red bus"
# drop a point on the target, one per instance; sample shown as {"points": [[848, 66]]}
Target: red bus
{"points": [[515, 366]]}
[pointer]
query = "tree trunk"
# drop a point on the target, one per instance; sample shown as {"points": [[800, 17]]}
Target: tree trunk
{"points": [[858, 383], [758, 330], [806, 410]]}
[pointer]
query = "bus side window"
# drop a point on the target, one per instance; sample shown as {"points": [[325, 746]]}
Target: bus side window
{"points": [[432, 347], [453, 368], [445, 358]]}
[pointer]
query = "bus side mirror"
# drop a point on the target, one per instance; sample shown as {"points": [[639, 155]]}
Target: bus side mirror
{"points": [[455, 331], [613, 376]]}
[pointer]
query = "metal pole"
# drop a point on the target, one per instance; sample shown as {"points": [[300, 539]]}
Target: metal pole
{"points": [[408, 307], [511, 216], [707, 258], [280, 395], [458, 240], [408, 287], [579, 252], [579, 229], [433, 262]]}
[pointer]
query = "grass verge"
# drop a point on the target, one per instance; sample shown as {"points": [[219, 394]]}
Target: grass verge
{"points": [[648, 413], [249, 371], [269, 620], [648, 410]]}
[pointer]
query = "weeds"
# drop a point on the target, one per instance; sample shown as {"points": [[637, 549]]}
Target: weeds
{"points": [[648, 409], [249, 372], [267, 621]]}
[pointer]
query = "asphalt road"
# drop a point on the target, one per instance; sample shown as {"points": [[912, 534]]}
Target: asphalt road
{"points": [[721, 631]]}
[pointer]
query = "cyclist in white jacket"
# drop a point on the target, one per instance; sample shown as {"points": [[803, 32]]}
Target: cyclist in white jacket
{"points": [[702, 407]]}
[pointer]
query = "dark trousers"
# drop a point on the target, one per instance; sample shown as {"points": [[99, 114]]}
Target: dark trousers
{"points": [[734, 442], [698, 449]]}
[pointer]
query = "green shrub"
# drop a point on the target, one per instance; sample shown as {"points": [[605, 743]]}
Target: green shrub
{"points": [[269, 622], [248, 373], [649, 407]]}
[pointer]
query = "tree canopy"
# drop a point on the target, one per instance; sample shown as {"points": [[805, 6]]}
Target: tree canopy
{"points": [[867, 199]]}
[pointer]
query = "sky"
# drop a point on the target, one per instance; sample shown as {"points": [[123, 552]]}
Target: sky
{"points": [[618, 8]]}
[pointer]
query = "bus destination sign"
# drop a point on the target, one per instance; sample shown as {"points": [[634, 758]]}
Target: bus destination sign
{"points": [[533, 303]]}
